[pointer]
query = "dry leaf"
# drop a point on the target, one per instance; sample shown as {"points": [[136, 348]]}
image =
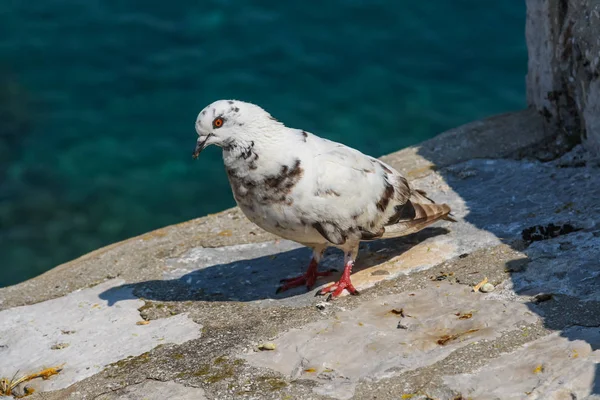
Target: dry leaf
{"points": [[447, 338], [7, 385], [464, 316]]}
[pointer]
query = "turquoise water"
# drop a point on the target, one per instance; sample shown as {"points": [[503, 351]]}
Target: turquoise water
{"points": [[98, 99]]}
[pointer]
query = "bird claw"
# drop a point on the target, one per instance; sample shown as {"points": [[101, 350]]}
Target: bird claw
{"points": [[337, 288]]}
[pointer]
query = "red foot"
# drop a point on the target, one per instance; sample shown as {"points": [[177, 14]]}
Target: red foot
{"points": [[308, 279], [344, 283]]}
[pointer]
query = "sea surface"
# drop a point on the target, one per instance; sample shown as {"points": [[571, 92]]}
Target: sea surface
{"points": [[98, 99]]}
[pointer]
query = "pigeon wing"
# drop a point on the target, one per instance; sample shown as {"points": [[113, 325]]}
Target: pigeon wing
{"points": [[349, 194], [352, 195]]}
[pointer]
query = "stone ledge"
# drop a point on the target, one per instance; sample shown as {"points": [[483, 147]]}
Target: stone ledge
{"points": [[417, 330]]}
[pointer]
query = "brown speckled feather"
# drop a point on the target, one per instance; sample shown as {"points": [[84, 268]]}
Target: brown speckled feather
{"points": [[417, 213]]}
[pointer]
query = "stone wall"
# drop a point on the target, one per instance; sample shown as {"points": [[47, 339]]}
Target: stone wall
{"points": [[563, 81]]}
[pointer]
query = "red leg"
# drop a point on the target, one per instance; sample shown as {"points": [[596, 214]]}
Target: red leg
{"points": [[308, 279], [344, 283]]}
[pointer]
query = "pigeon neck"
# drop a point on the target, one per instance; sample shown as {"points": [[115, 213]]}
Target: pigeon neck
{"points": [[258, 153], [241, 154]]}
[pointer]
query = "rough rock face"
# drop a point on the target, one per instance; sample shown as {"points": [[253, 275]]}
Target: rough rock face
{"points": [[563, 81]]}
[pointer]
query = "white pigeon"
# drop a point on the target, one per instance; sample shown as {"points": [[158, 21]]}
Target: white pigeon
{"points": [[311, 190]]}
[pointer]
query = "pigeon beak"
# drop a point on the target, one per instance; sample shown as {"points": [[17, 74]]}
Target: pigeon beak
{"points": [[200, 145]]}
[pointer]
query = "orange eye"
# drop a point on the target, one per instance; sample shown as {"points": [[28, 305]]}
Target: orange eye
{"points": [[218, 122]]}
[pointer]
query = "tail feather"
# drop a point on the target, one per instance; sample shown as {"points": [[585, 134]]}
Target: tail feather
{"points": [[449, 217], [418, 213]]}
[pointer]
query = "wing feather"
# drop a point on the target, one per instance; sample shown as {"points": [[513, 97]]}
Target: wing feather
{"points": [[355, 193]]}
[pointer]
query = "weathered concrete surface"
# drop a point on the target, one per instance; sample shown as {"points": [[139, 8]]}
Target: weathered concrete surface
{"points": [[563, 80], [375, 341], [81, 332], [550, 368], [552, 257], [417, 331], [154, 390]]}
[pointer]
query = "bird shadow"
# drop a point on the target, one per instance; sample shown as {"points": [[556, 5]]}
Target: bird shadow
{"points": [[258, 278]]}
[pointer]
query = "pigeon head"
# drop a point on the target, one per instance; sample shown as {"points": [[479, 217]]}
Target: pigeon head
{"points": [[231, 124]]}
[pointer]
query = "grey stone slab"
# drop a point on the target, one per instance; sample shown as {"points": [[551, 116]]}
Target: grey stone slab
{"points": [[505, 196], [243, 272], [560, 366], [83, 334], [568, 265], [374, 341], [155, 390]]}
